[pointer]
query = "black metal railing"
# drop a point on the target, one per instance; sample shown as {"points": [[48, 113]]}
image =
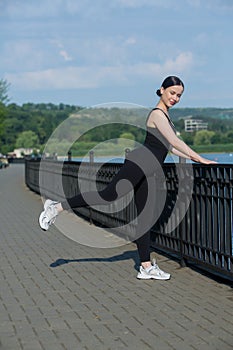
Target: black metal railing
{"points": [[204, 236], [198, 230]]}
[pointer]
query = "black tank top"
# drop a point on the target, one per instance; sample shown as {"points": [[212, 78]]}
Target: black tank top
{"points": [[156, 142]]}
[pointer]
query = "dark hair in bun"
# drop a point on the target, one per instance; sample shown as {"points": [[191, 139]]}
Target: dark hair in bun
{"points": [[170, 81]]}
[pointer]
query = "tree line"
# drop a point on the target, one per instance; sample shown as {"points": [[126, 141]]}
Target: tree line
{"points": [[31, 126]]}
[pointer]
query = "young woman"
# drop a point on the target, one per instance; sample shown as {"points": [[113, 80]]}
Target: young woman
{"points": [[138, 169]]}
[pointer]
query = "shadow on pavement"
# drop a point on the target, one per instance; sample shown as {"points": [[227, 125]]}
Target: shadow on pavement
{"points": [[129, 255]]}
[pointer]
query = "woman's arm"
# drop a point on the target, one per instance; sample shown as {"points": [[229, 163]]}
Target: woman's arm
{"points": [[161, 122], [178, 153]]}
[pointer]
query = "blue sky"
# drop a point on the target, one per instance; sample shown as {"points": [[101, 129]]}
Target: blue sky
{"points": [[86, 52]]}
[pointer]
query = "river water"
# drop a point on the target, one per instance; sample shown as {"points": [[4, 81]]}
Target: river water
{"points": [[223, 158]]}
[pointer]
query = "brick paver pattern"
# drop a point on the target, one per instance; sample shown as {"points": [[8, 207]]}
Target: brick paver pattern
{"points": [[56, 294]]}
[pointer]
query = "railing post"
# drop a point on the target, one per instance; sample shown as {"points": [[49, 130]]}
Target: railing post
{"points": [[91, 157], [127, 150], [69, 156], [181, 227], [181, 238], [182, 160], [91, 161]]}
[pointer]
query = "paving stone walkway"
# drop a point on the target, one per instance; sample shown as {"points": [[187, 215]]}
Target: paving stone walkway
{"points": [[56, 294]]}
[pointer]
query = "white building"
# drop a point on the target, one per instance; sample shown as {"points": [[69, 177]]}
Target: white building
{"points": [[21, 152], [192, 125]]}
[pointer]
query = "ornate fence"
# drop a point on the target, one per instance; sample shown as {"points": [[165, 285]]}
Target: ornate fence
{"points": [[198, 231]]}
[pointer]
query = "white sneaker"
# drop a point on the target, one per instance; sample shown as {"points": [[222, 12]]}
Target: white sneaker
{"points": [[48, 215], [153, 272]]}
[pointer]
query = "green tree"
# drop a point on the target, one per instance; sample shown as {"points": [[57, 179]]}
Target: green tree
{"points": [[230, 136], [217, 138], [127, 135], [2, 118], [4, 86], [126, 140], [203, 137], [187, 137], [27, 139]]}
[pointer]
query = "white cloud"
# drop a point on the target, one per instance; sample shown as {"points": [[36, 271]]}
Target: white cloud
{"points": [[143, 3], [32, 9], [202, 39], [65, 55], [21, 55], [130, 41], [220, 4], [213, 5], [99, 76], [194, 3], [66, 78], [62, 51], [28, 9], [184, 61]]}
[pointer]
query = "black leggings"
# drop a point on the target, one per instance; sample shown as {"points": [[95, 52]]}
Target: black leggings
{"points": [[118, 188]]}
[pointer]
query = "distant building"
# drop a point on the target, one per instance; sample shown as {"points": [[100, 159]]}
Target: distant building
{"points": [[192, 125], [21, 152]]}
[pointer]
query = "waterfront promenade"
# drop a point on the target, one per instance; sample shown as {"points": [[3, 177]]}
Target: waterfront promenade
{"points": [[56, 294]]}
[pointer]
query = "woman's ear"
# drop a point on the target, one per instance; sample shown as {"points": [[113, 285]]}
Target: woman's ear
{"points": [[162, 90]]}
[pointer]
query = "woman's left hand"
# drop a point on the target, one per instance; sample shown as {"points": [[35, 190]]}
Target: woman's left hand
{"points": [[207, 161]]}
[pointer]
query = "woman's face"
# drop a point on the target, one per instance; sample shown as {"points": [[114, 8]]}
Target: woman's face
{"points": [[171, 95]]}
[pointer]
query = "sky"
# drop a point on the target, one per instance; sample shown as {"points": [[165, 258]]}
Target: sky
{"points": [[85, 52]]}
